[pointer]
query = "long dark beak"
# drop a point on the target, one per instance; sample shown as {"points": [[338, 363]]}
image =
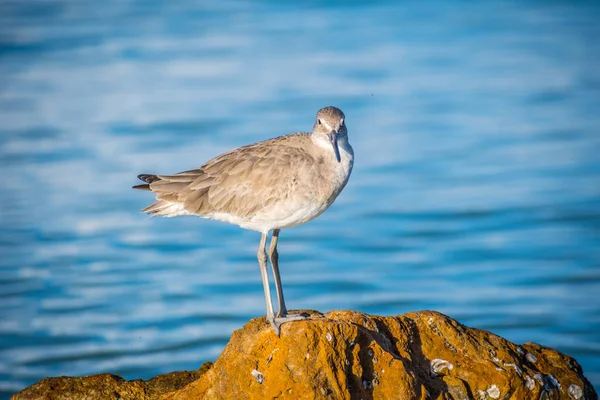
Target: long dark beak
{"points": [[333, 137]]}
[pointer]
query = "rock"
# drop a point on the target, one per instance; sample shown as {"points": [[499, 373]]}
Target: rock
{"points": [[108, 386], [351, 355]]}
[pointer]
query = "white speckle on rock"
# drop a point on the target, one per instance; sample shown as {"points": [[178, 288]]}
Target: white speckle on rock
{"points": [[496, 360], [437, 365], [529, 383], [258, 376], [371, 352], [329, 336], [515, 366], [499, 369], [539, 378], [307, 356], [520, 350], [493, 392], [575, 392], [531, 358], [554, 381]]}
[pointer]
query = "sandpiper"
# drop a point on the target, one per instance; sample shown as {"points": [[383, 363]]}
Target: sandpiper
{"points": [[265, 186]]}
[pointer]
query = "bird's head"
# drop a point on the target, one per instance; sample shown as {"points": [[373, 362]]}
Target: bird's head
{"points": [[330, 127]]}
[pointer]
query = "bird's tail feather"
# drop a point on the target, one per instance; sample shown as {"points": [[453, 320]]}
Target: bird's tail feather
{"points": [[166, 205], [165, 209], [148, 178]]}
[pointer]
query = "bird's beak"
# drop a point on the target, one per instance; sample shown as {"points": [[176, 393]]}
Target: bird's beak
{"points": [[333, 138]]}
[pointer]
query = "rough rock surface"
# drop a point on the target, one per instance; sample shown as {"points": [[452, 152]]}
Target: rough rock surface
{"points": [[108, 386], [351, 355]]}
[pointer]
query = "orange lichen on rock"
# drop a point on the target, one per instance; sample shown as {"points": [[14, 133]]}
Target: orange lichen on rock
{"points": [[108, 386], [351, 355]]}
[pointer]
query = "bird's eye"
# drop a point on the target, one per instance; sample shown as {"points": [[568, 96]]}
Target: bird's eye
{"points": [[318, 121]]}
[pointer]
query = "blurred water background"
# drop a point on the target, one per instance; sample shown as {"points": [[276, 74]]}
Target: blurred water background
{"points": [[476, 188]]}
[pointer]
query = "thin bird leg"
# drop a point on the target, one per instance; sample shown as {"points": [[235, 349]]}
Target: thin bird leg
{"points": [[262, 262], [282, 315], [274, 257]]}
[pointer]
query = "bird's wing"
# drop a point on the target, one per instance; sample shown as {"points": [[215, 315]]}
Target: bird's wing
{"points": [[239, 182]]}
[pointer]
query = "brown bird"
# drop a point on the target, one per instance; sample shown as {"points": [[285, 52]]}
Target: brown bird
{"points": [[265, 186]]}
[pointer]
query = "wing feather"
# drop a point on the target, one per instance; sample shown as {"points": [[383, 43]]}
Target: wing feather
{"points": [[240, 182]]}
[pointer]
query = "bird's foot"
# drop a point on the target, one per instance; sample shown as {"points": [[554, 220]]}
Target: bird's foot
{"points": [[276, 322]]}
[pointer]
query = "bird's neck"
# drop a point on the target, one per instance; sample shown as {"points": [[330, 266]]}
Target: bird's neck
{"points": [[346, 151]]}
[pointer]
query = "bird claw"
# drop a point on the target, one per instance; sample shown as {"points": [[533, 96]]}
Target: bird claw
{"points": [[276, 322]]}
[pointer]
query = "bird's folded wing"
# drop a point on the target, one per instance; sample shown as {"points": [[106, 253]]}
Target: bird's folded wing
{"points": [[240, 182]]}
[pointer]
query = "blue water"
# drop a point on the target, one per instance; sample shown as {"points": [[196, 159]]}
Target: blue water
{"points": [[476, 188]]}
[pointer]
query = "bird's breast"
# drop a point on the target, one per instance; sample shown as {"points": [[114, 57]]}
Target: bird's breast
{"points": [[340, 171]]}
